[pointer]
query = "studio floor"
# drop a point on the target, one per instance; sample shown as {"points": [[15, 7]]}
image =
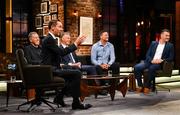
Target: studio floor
{"points": [[162, 103]]}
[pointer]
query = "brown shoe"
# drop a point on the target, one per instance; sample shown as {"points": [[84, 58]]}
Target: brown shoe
{"points": [[146, 91], [139, 90]]}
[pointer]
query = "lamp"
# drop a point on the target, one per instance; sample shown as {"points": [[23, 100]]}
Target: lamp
{"points": [[99, 15], [75, 13]]}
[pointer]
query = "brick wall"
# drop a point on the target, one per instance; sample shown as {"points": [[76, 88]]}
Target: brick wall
{"points": [[87, 8]]}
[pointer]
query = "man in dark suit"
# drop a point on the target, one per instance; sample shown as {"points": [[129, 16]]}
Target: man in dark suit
{"points": [[52, 54], [158, 52], [72, 59], [32, 52]]}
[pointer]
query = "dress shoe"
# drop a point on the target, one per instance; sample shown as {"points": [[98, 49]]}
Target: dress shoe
{"points": [[60, 102], [146, 91], [80, 106], [139, 90], [103, 92]]}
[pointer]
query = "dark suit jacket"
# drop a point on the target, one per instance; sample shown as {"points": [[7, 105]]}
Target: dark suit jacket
{"points": [[51, 53], [66, 59], [168, 52]]}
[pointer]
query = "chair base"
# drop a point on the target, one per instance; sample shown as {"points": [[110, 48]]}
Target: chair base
{"points": [[165, 88], [36, 102]]}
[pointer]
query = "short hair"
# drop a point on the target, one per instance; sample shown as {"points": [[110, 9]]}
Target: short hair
{"points": [[31, 34], [52, 23], [64, 33], [165, 30], [101, 32]]}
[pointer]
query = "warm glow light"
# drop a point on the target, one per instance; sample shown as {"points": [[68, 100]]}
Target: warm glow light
{"points": [[138, 24], [99, 15], [136, 34], [142, 22], [75, 13]]}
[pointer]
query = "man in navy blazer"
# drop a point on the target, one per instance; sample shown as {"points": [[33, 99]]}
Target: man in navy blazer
{"points": [[158, 52], [52, 54], [72, 59]]}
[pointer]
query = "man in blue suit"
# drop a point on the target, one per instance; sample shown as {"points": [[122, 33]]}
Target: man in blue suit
{"points": [[72, 59], [158, 52]]}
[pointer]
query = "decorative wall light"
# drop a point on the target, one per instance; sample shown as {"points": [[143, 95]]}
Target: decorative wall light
{"points": [[75, 13], [99, 15]]}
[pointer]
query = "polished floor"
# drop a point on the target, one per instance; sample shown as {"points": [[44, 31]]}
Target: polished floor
{"points": [[162, 103]]}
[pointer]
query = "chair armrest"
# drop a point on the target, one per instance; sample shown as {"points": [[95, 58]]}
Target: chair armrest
{"points": [[167, 67], [37, 74]]}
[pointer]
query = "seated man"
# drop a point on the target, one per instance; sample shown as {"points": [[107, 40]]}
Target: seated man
{"points": [[52, 55], [32, 52], [71, 59], [103, 56], [158, 52]]}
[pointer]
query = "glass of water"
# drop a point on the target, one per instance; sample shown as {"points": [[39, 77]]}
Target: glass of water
{"points": [[13, 79]]}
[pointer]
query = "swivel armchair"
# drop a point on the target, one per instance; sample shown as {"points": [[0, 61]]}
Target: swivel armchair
{"points": [[38, 77], [166, 71]]}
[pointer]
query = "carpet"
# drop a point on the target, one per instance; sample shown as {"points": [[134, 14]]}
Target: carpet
{"points": [[163, 102]]}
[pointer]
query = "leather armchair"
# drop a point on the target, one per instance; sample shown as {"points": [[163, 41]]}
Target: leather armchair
{"points": [[38, 77], [166, 71]]}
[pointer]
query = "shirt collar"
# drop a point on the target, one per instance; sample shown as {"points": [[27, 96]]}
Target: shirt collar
{"points": [[101, 43], [64, 46], [52, 35]]}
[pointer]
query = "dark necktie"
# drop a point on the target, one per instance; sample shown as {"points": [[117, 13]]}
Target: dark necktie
{"points": [[56, 41]]}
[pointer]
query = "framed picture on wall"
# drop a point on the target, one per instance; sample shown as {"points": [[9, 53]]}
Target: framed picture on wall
{"points": [[86, 28], [38, 21], [39, 31], [46, 19], [44, 7], [45, 30], [53, 8], [54, 16]]}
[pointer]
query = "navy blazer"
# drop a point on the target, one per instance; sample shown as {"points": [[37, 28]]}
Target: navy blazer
{"points": [[51, 53], [168, 52], [66, 59]]}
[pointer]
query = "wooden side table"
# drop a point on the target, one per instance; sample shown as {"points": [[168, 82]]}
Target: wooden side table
{"points": [[10, 86]]}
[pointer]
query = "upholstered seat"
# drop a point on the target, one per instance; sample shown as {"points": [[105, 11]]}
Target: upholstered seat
{"points": [[166, 71], [38, 77]]}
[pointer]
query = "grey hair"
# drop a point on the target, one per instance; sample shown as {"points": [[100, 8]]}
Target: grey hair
{"points": [[64, 33], [31, 34]]}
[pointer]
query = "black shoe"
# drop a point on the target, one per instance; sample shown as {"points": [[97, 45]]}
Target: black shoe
{"points": [[60, 101], [80, 106], [103, 92]]}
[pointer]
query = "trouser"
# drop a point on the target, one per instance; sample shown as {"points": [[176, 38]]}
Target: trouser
{"points": [[114, 67], [138, 72], [72, 79], [115, 71]]}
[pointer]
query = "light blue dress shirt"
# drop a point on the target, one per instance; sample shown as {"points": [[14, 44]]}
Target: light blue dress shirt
{"points": [[102, 54]]}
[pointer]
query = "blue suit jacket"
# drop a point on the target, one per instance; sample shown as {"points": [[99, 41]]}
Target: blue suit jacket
{"points": [[168, 52], [66, 59]]}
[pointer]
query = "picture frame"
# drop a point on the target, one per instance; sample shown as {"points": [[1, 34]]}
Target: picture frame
{"points": [[39, 31], [44, 7], [45, 30], [54, 16], [46, 19], [86, 28], [53, 8], [38, 21]]}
